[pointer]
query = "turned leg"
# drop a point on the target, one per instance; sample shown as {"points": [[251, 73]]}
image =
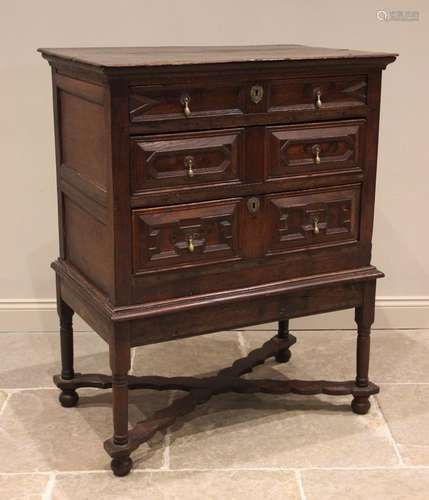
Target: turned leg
{"points": [[68, 397], [283, 332], [119, 350], [364, 317]]}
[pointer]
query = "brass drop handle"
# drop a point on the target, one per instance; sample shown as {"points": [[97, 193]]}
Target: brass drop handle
{"points": [[316, 229], [318, 102], [189, 163], [316, 151], [186, 100], [191, 246]]}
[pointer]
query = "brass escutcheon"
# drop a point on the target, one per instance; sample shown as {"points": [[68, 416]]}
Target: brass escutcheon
{"points": [[253, 204], [256, 93]]}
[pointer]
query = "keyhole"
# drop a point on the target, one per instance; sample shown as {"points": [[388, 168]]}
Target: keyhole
{"points": [[256, 93], [253, 205]]}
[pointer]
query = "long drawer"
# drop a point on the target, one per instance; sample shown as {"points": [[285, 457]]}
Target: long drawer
{"points": [[209, 233], [187, 104], [188, 164]]}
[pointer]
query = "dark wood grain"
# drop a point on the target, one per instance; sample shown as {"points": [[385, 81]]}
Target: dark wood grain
{"points": [[210, 188], [158, 56]]}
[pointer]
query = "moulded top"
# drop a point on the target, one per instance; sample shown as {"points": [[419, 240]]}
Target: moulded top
{"points": [[126, 57]]}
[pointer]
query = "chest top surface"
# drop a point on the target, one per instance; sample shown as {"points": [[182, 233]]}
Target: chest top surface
{"points": [[125, 57]]}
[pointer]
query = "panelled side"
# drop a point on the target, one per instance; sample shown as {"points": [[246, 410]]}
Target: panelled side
{"points": [[83, 178], [370, 168]]}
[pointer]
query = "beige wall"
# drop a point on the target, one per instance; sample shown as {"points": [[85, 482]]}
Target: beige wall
{"points": [[27, 197]]}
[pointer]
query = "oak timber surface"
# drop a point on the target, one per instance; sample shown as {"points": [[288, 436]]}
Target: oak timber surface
{"points": [[159, 56]]}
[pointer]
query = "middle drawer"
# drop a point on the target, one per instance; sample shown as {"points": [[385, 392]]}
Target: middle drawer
{"points": [[193, 166]]}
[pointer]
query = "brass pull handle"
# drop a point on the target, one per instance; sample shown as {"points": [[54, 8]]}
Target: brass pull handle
{"points": [[186, 100], [316, 229], [191, 246], [316, 151], [318, 99], [189, 163]]}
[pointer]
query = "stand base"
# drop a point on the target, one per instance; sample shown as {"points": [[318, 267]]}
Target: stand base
{"points": [[202, 389]]}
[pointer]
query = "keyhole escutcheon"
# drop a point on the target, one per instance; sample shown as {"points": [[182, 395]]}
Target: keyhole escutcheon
{"points": [[253, 205]]}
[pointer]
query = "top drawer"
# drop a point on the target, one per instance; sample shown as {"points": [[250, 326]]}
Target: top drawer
{"points": [[191, 106], [147, 104]]}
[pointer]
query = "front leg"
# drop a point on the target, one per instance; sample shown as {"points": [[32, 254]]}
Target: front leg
{"points": [[118, 445], [364, 317], [283, 333], [68, 397]]}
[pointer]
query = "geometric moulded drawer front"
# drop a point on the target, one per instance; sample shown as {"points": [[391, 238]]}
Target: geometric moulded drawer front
{"points": [[184, 236], [313, 219], [315, 148], [182, 103], [186, 159], [318, 94]]}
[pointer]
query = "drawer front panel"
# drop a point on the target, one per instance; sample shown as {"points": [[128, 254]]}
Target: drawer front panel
{"points": [[187, 159], [158, 104], [184, 236], [314, 148], [318, 93], [299, 222], [238, 101]]}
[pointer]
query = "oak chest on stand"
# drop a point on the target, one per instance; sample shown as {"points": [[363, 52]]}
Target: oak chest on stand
{"points": [[211, 188]]}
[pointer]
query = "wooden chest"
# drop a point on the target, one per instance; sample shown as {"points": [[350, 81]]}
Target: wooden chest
{"points": [[208, 188]]}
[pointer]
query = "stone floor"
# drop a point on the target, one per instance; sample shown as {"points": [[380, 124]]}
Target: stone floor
{"points": [[234, 447]]}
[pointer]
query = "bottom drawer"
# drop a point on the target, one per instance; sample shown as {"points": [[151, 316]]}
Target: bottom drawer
{"points": [[207, 247], [183, 236], [310, 219]]}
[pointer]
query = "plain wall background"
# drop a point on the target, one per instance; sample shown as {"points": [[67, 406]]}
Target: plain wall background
{"points": [[27, 189]]}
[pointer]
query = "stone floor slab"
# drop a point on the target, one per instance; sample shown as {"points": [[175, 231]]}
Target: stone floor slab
{"points": [[399, 484], [406, 409], [316, 355], [234, 485], [331, 355], [23, 486], [246, 431], [400, 356], [37, 434], [197, 356], [32, 359]]}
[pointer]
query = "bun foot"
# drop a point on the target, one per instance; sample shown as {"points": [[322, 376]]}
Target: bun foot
{"points": [[68, 398], [283, 356], [361, 405], [121, 466]]}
